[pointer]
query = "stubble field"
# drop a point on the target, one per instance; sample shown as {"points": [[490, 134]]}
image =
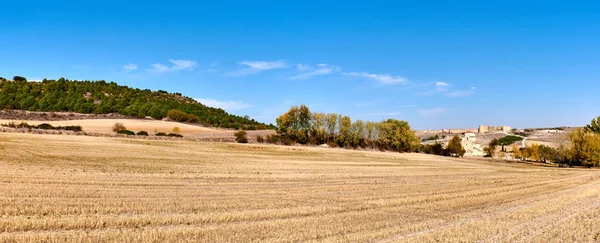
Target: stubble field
{"points": [[90, 189]]}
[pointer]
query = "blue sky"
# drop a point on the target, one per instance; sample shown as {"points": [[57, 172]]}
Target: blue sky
{"points": [[435, 64]]}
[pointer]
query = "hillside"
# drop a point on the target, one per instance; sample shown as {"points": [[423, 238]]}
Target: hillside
{"points": [[101, 97]]}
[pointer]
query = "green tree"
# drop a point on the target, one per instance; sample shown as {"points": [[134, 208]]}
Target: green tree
{"points": [[594, 126], [19, 79], [455, 148]]}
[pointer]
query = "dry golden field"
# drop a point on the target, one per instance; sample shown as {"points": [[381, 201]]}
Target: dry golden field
{"points": [[105, 125], [90, 189]]}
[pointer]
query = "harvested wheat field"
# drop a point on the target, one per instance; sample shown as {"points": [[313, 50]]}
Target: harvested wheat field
{"points": [[105, 125], [89, 189]]}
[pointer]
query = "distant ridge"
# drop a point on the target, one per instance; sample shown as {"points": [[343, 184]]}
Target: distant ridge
{"points": [[101, 97]]}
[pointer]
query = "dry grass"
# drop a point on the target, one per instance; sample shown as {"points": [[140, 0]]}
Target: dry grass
{"points": [[89, 189], [105, 125]]}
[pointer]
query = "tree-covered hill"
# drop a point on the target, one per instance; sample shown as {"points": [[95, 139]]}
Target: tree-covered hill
{"points": [[101, 97]]}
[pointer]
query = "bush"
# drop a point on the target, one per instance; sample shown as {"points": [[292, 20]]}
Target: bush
{"points": [[71, 128], [508, 140], [45, 126], [174, 135], [161, 134], [436, 137], [240, 136], [260, 139], [126, 132], [142, 133], [191, 118], [177, 115], [118, 127]]}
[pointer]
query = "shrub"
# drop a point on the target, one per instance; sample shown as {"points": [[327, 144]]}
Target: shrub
{"points": [[160, 134], [177, 115], [191, 118], [509, 139], [126, 132], [71, 128], [118, 127], [45, 126], [174, 135], [142, 133], [240, 136], [260, 139], [176, 130], [436, 137]]}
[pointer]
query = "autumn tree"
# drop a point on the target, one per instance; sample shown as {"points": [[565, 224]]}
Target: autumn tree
{"points": [[295, 124], [331, 127], [491, 148], [516, 152], [344, 130], [585, 148], [455, 148], [397, 135]]}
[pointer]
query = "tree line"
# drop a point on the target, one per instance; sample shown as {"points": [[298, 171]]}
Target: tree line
{"points": [[101, 97], [300, 125]]}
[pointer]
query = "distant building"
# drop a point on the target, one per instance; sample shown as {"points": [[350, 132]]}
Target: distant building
{"points": [[490, 129], [483, 129]]}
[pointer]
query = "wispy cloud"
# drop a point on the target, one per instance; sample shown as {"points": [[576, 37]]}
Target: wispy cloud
{"points": [[253, 67], [432, 111], [130, 67], [176, 65], [460, 93], [228, 105], [409, 106], [309, 72], [445, 89], [380, 78]]}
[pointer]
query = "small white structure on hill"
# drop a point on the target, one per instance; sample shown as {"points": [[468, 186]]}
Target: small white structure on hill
{"points": [[471, 148]]}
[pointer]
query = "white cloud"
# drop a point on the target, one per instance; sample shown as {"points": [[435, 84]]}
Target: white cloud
{"points": [[459, 93], [262, 65], [441, 84], [432, 111], [253, 67], [309, 72], [177, 65], [228, 105], [130, 67], [381, 78]]}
